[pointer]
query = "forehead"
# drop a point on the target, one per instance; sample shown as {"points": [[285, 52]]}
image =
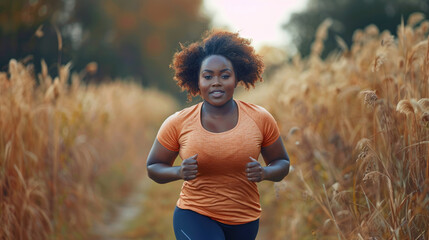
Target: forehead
{"points": [[216, 62]]}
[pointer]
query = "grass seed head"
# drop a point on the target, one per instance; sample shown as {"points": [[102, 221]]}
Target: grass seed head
{"points": [[424, 104], [364, 143], [379, 60], [372, 30], [417, 107], [415, 18], [404, 106], [388, 41], [424, 27], [369, 97]]}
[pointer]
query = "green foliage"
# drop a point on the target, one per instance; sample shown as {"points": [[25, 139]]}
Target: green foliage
{"points": [[347, 16]]}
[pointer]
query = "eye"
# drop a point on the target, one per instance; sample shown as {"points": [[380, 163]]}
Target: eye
{"points": [[226, 76], [207, 77]]}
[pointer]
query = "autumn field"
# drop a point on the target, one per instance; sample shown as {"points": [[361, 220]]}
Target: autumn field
{"points": [[355, 125], [70, 153]]}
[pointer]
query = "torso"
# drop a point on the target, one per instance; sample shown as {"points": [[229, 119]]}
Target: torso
{"points": [[221, 189]]}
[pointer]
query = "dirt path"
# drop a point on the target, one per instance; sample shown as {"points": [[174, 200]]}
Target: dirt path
{"points": [[155, 222], [113, 226]]}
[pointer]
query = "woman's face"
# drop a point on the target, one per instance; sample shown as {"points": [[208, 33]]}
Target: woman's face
{"points": [[217, 80]]}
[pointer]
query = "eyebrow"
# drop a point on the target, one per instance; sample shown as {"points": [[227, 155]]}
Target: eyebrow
{"points": [[211, 71]]}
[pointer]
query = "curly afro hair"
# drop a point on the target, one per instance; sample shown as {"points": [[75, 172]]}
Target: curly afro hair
{"points": [[248, 66]]}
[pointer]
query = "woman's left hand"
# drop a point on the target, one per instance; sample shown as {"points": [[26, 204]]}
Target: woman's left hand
{"points": [[254, 171]]}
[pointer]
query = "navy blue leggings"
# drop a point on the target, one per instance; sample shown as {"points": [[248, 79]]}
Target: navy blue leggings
{"points": [[189, 225]]}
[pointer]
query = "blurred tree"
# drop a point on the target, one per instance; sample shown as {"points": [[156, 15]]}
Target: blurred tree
{"points": [[19, 20], [134, 38], [347, 16], [274, 58]]}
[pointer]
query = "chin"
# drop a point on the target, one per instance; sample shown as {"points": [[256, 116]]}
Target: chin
{"points": [[216, 104]]}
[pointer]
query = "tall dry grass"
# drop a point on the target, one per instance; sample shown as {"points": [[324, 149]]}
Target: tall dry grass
{"points": [[356, 126], [68, 152]]}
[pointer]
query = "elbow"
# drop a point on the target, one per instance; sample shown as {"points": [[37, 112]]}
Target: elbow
{"points": [[287, 167], [285, 172], [279, 170], [159, 181], [155, 178], [151, 173], [277, 179]]}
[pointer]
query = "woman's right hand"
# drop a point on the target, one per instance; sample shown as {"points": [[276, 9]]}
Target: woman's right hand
{"points": [[189, 168]]}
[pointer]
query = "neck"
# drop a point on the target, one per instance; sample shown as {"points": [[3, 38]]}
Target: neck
{"points": [[219, 110]]}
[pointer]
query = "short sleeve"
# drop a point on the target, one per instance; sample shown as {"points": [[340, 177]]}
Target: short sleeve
{"points": [[168, 134], [270, 130]]}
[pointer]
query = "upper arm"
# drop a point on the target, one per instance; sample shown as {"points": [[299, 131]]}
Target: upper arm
{"points": [[269, 129], [274, 151], [160, 154]]}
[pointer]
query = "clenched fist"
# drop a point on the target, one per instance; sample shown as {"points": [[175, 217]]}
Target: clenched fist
{"points": [[189, 168], [254, 171]]}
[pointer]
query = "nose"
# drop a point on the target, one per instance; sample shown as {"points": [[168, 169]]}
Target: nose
{"points": [[216, 81]]}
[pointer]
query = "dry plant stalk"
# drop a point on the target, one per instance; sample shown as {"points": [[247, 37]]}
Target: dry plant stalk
{"points": [[378, 152], [60, 147]]}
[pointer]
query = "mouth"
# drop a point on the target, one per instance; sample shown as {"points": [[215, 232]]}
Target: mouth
{"points": [[217, 93]]}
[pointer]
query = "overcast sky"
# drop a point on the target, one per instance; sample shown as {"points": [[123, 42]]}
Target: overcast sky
{"points": [[260, 20]]}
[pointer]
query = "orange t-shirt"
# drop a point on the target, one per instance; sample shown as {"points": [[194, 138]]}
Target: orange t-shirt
{"points": [[221, 190]]}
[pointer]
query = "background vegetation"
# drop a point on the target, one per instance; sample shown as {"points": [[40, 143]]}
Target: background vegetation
{"points": [[355, 123], [137, 38], [69, 153], [356, 127], [134, 38], [345, 17]]}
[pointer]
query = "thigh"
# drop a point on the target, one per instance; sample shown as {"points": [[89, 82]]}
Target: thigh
{"points": [[247, 231], [189, 225]]}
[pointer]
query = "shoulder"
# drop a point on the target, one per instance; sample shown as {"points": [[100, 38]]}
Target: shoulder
{"points": [[264, 120], [254, 111], [179, 119], [171, 129], [259, 115], [184, 114]]}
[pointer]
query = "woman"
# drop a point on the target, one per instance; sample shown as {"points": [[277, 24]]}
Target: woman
{"points": [[219, 141]]}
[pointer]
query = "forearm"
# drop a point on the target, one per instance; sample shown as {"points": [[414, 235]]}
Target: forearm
{"points": [[163, 173], [276, 170]]}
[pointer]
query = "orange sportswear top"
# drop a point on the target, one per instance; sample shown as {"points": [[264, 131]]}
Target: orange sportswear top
{"points": [[221, 190]]}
